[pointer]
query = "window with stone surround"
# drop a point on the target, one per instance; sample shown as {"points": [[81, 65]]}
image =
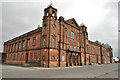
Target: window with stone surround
{"points": [[11, 57], [28, 42], [53, 42], [69, 35], [15, 46], [44, 42], [53, 57], [19, 45], [63, 57], [75, 37], [22, 56], [35, 57], [14, 57], [17, 56], [31, 57], [72, 35], [23, 45], [34, 41]]}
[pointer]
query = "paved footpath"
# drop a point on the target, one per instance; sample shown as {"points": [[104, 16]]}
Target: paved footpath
{"points": [[94, 71]]}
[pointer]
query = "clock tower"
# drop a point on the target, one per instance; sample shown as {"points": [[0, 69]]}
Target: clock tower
{"points": [[49, 33]]}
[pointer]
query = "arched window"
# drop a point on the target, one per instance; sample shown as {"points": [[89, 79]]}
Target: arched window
{"points": [[47, 13], [53, 58], [53, 13]]}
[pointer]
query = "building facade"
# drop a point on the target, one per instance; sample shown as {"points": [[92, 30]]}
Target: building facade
{"points": [[57, 43]]}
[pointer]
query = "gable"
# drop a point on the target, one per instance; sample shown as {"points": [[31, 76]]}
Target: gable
{"points": [[73, 22]]}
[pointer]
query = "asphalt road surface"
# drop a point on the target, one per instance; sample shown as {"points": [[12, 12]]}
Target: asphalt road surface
{"points": [[94, 71]]}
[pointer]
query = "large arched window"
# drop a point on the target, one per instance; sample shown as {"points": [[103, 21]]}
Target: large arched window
{"points": [[72, 35]]}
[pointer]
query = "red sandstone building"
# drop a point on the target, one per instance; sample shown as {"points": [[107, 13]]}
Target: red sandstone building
{"points": [[58, 42]]}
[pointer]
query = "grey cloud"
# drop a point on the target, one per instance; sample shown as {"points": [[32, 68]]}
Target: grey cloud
{"points": [[19, 18]]}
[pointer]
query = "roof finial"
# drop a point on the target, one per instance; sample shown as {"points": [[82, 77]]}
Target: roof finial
{"points": [[82, 20], [82, 24], [50, 4]]}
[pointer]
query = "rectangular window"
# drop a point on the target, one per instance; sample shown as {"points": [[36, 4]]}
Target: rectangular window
{"points": [[23, 45], [72, 35], [57, 56], [87, 49], [63, 57], [58, 45], [8, 56], [34, 40], [44, 42], [22, 56], [28, 42], [53, 42], [19, 45], [82, 58], [72, 48], [11, 57], [14, 57], [15, 46], [31, 57], [75, 37], [12, 48], [35, 57], [9, 47], [69, 35], [17, 56]]}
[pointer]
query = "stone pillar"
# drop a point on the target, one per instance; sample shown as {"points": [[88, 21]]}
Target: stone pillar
{"points": [[76, 58], [72, 59]]}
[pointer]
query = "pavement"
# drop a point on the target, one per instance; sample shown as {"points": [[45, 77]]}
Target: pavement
{"points": [[94, 71]]}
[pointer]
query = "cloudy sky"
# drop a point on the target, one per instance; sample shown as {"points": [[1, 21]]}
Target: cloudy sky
{"points": [[100, 17]]}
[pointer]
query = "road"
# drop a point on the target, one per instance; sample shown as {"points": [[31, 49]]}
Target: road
{"points": [[96, 71]]}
